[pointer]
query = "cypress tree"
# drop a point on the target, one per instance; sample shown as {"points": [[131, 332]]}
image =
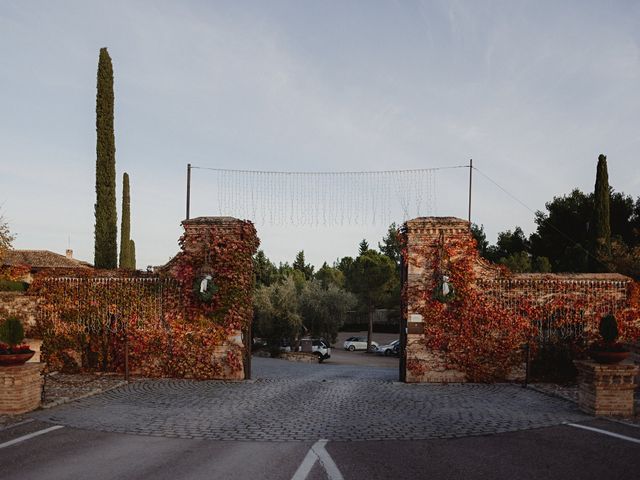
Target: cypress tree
{"points": [[106, 228], [601, 224], [125, 225], [132, 254]]}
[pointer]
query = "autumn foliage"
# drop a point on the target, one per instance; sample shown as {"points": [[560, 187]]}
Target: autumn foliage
{"points": [[169, 331], [481, 331]]}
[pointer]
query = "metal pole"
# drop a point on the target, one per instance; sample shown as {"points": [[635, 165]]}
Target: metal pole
{"points": [[470, 183], [126, 355], [527, 365], [248, 344], [403, 320], [188, 189]]}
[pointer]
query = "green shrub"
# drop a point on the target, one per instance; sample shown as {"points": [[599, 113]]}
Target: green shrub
{"points": [[11, 286], [609, 328], [11, 331]]}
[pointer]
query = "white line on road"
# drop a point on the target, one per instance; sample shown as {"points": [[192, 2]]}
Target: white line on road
{"points": [[318, 453], [31, 435], [605, 432], [326, 461], [306, 465]]}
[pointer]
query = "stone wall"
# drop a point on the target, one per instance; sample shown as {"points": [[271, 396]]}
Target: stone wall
{"points": [[161, 324], [21, 306], [426, 236]]}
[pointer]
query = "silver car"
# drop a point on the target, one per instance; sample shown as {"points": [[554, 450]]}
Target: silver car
{"points": [[392, 348]]}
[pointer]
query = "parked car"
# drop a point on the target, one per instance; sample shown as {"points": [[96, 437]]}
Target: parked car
{"points": [[358, 343], [320, 347], [392, 348]]}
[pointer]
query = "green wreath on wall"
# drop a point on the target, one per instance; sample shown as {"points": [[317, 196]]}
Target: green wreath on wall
{"points": [[444, 291], [204, 288]]}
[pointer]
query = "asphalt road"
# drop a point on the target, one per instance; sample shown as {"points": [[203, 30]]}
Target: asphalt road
{"points": [[213, 430], [561, 452]]}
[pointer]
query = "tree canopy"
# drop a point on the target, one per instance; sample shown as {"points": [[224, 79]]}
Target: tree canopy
{"points": [[6, 238], [575, 234]]}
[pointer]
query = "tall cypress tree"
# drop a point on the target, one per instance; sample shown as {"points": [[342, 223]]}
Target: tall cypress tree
{"points": [[132, 254], [601, 224], [125, 225], [106, 227]]}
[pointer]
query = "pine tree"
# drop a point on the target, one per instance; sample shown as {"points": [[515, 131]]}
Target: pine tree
{"points": [[601, 224], [300, 265], [125, 225], [106, 227], [363, 247]]}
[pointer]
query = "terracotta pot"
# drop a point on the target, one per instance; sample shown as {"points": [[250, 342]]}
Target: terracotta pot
{"points": [[16, 358], [608, 357]]}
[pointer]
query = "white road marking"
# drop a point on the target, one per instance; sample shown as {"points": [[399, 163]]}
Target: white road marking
{"points": [[306, 465], [605, 432], [318, 453], [31, 435], [326, 461]]}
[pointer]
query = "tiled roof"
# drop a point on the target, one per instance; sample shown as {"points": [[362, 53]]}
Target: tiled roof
{"points": [[41, 259]]}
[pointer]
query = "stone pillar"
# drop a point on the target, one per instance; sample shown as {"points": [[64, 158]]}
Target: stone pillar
{"points": [[606, 389], [426, 233], [204, 240], [20, 388]]}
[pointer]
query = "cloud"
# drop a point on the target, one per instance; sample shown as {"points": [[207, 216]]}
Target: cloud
{"points": [[533, 93]]}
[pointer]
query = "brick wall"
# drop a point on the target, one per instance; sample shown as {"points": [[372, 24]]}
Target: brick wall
{"points": [[20, 305], [163, 307], [606, 389], [602, 293], [25, 308], [20, 388]]}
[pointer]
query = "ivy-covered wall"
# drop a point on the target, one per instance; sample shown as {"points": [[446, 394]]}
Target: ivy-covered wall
{"points": [[184, 321], [475, 332]]}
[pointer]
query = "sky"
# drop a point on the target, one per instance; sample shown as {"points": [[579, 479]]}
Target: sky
{"points": [[531, 91]]}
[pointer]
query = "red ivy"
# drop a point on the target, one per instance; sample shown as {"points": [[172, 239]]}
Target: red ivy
{"points": [[481, 332], [95, 314]]}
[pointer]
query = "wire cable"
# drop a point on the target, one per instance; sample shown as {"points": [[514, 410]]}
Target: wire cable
{"points": [[563, 234], [360, 172]]}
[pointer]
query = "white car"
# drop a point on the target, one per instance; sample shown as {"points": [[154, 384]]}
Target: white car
{"points": [[392, 348], [358, 343], [319, 347]]}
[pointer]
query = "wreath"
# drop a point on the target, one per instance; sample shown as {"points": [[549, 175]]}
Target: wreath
{"points": [[204, 288], [439, 292]]}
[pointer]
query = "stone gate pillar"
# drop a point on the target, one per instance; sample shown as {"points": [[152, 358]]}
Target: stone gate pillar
{"points": [[217, 253], [425, 236]]}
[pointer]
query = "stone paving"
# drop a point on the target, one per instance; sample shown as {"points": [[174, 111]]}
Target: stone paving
{"points": [[295, 402]]}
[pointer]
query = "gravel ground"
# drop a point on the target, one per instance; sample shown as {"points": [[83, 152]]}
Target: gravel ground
{"points": [[570, 392], [289, 401], [61, 388], [64, 388]]}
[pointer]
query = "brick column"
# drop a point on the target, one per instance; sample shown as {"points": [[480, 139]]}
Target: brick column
{"points": [[203, 235], [606, 389], [20, 388], [426, 233]]}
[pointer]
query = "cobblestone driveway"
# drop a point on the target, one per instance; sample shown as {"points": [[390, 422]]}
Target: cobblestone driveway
{"points": [[290, 401]]}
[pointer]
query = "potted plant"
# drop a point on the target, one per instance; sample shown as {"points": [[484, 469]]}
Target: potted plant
{"points": [[608, 350], [12, 350]]}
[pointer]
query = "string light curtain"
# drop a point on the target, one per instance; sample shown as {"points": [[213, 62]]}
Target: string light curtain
{"points": [[325, 198]]}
